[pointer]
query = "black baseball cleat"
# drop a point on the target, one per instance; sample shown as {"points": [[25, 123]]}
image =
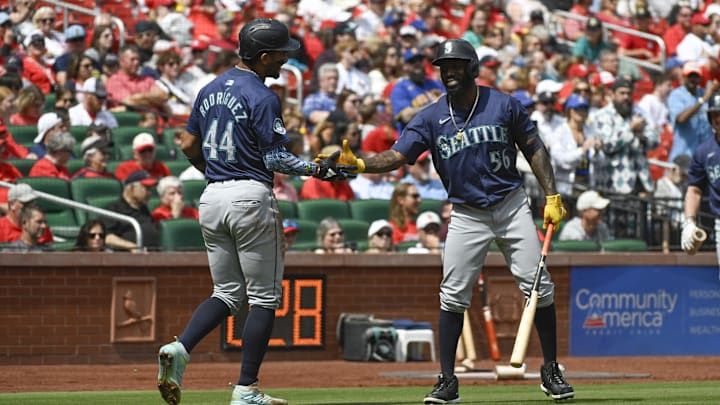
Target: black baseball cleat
{"points": [[444, 392], [553, 383]]}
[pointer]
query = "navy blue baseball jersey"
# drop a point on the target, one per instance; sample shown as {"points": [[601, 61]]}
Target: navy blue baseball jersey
{"points": [[704, 172], [477, 168], [239, 119]]}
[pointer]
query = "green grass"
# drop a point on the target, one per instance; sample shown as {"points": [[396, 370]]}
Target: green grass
{"points": [[649, 394]]}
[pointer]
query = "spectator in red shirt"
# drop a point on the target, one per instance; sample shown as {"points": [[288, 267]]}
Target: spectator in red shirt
{"points": [[143, 159], [10, 229], [677, 31], [637, 47], [35, 70], [8, 172], [172, 205], [59, 151], [30, 104], [95, 153], [11, 149], [128, 88], [404, 208], [337, 190]]}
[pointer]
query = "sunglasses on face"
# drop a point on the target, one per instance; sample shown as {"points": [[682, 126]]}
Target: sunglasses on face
{"points": [[354, 101], [415, 196], [384, 234], [96, 235], [46, 21]]}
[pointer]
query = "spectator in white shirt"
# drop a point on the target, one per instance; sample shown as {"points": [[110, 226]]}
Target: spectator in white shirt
{"points": [[92, 108]]}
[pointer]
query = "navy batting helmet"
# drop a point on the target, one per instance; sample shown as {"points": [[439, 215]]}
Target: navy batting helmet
{"points": [[458, 49], [713, 104], [265, 35]]}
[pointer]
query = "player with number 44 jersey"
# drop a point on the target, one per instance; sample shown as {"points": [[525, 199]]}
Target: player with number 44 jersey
{"points": [[473, 134]]}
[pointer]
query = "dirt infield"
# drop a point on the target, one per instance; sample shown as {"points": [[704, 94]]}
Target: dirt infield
{"points": [[326, 374]]}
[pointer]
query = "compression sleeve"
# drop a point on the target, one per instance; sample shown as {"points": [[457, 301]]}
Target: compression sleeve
{"points": [[529, 143], [280, 160]]}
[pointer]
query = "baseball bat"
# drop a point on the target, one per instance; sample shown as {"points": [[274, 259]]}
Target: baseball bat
{"points": [[488, 321], [698, 237], [468, 339], [528, 316]]}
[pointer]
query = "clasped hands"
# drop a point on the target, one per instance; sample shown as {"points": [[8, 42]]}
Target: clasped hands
{"points": [[339, 165]]}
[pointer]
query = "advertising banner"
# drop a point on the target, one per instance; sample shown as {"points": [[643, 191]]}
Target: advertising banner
{"points": [[653, 310]]}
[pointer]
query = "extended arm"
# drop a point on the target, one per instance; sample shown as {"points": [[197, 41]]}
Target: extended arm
{"points": [[543, 171], [385, 161], [191, 146]]}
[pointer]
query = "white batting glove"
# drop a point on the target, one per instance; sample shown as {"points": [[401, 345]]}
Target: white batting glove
{"points": [[686, 239]]}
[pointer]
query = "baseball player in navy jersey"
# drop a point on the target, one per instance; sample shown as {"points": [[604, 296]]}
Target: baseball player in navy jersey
{"points": [[236, 136], [704, 176], [473, 134]]}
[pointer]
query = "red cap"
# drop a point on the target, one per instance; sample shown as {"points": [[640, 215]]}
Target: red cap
{"points": [[699, 18], [199, 45], [577, 70]]}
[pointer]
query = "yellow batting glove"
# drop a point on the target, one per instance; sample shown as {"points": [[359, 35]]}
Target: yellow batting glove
{"points": [[348, 158], [554, 211]]}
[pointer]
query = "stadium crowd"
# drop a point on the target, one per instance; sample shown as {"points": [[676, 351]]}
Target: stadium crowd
{"points": [[611, 86]]}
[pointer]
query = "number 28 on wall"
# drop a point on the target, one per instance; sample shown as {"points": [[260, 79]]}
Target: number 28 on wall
{"points": [[299, 322]]}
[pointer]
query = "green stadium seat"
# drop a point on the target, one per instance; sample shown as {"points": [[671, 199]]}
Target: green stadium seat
{"points": [[84, 189], [124, 135], [624, 245], [79, 132], [65, 246], [193, 189], [181, 234], [74, 165], [127, 118], [430, 205], [24, 134], [575, 246], [355, 230], [177, 166], [369, 210], [288, 209], [99, 202], [51, 185], [317, 210], [306, 239], [402, 247], [24, 165], [63, 223]]}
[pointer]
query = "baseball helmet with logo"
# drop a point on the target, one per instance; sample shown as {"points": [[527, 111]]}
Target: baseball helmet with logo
{"points": [[265, 35], [458, 49], [713, 105]]}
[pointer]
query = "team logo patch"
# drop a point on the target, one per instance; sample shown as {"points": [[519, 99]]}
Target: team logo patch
{"points": [[278, 126], [448, 47]]}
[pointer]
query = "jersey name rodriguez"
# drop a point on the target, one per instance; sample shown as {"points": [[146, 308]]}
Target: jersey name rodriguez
{"points": [[449, 145], [226, 99]]}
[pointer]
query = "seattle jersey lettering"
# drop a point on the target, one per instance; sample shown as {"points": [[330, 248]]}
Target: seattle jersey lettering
{"points": [[713, 173], [449, 145], [226, 99]]}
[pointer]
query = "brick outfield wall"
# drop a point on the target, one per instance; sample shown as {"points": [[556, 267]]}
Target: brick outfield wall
{"points": [[56, 308]]}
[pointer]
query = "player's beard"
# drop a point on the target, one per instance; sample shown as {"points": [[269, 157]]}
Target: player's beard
{"points": [[465, 83]]}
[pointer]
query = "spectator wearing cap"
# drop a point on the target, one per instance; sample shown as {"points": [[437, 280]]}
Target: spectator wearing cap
{"points": [[626, 138], [415, 90], [637, 47], [693, 47], [573, 28], [44, 20], [592, 42], [143, 159], [290, 229], [687, 105], [677, 31], [147, 32], [428, 45], [546, 117], [488, 75], [18, 197], [299, 57], [588, 223], [574, 147], [33, 226], [349, 76], [128, 88], [225, 40], [95, 151], [526, 99], [53, 164], [380, 237], [370, 21], [477, 28], [420, 175], [48, 126], [101, 44], [92, 109], [342, 31], [428, 227], [74, 47], [371, 186], [179, 98], [133, 202], [317, 106], [176, 25], [35, 65], [172, 205]]}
